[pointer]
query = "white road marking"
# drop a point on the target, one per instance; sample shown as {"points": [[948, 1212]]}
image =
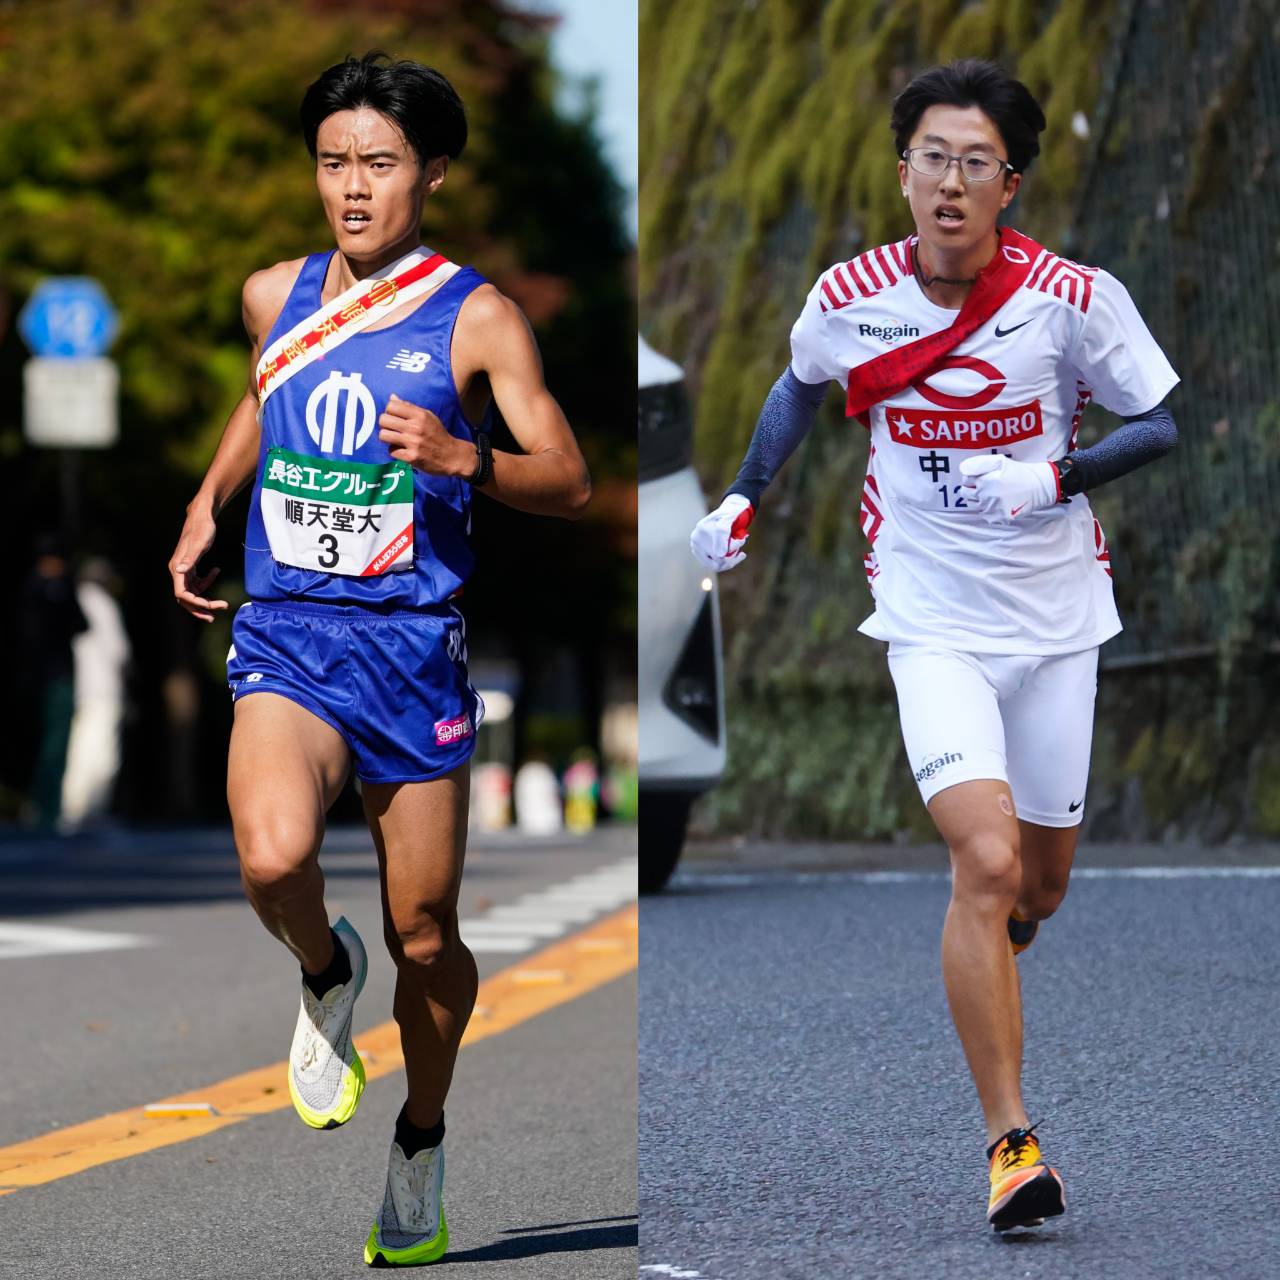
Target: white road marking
{"points": [[512, 944], [668, 1269], [710, 880], [505, 928], [547, 913], [21, 941], [532, 910]]}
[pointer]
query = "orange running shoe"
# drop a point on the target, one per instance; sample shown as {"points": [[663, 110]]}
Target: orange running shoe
{"points": [[1024, 1192], [1022, 933]]}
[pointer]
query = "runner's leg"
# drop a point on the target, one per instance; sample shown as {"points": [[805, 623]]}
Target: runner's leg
{"points": [[286, 767], [976, 820], [420, 831], [1049, 735], [954, 734], [1047, 855]]}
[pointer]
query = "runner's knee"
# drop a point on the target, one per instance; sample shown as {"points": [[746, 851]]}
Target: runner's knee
{"points": [[275, 859], [1045, 900], [422, 940], [986, 867]]}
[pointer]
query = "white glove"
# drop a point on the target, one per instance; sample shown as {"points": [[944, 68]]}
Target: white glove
{"points": [[717, 539], [1003, 489]]}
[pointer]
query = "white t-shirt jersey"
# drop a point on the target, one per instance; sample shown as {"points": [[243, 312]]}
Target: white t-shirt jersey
{"points": [[1018, 385]]}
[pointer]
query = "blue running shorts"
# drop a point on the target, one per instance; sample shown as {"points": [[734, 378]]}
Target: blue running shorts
{"points": [[393, 685]]}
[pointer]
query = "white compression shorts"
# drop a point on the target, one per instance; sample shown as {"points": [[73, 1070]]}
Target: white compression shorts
{"points": [[1027, 721]]}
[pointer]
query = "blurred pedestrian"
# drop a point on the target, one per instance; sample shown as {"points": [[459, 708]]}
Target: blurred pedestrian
{"points": [[51, 618], [101, 654]]}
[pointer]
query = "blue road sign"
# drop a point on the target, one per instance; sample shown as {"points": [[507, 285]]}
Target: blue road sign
{"points": [[68, 317]]}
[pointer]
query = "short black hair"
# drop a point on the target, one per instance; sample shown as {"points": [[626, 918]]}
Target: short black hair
{"points": [[973, 82], [418, 100]]}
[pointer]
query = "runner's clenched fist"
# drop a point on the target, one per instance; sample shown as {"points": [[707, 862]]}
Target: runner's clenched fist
{"points": [[416, 436]]}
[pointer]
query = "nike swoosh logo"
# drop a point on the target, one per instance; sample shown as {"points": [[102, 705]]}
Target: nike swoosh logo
{"points": [[1071, 808], [1004, 333], [1015, 511]]}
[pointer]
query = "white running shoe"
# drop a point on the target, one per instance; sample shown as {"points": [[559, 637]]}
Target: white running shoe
{"points": [[410, 1228], [326, 1076]]}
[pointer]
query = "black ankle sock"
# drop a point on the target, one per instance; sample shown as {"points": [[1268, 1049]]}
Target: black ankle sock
{"points": [[412, 1139], [337, 973]]}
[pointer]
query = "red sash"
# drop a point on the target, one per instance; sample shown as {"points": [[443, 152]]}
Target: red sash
{"points": [[887, 374]]}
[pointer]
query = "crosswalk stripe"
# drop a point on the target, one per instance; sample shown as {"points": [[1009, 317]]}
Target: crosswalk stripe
{"points": [[21, 941]]}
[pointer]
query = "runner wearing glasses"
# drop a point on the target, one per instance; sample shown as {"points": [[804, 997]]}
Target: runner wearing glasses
{"points": [[970, 352]]}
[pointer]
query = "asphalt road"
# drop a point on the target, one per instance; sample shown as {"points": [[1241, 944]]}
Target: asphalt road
{"points": [[541, 1119], [805, 1110]]}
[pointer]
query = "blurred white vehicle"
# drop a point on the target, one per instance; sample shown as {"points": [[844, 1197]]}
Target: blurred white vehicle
{"points": [[682, 739]]}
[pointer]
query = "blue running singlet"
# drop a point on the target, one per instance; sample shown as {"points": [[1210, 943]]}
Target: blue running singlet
{"points": [[322, 465], [351, 557]]}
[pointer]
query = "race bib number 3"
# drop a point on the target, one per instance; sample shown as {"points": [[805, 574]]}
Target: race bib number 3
{"points": [[352, 518]]}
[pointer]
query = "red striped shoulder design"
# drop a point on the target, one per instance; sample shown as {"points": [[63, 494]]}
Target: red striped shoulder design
{"points": [[1063, 279], [866, 275]]}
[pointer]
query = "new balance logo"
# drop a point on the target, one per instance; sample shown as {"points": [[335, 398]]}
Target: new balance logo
{"points": [[409, 361]]}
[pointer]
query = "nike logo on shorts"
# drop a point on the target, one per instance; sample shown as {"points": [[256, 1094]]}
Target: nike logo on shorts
{"points": [[1071, 808]]}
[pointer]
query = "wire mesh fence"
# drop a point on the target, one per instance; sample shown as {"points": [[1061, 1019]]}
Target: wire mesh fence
{"points": [[1181, 200]]}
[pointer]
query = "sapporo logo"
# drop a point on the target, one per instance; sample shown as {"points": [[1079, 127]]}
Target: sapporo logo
{"points": [[934, 764], [345, 392], [891, 332], [975, 400]]}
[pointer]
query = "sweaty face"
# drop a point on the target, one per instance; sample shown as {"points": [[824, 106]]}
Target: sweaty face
{"points": [[950, 212], [370, 182]]}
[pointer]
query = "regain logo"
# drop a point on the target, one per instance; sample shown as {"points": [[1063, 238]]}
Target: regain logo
{"points": [[890, 332], [934, 764]]}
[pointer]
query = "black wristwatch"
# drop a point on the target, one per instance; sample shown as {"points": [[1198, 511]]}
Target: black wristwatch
{"points": [[484, 460], [1070, 480]]}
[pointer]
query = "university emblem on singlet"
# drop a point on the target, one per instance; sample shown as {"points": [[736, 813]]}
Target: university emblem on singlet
{"points": [[347, 393], [336, 514]]}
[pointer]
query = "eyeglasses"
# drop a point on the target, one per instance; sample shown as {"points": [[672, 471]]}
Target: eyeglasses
{"points": [[930, 162]]}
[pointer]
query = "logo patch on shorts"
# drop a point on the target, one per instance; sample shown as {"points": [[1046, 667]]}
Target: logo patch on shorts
{"points": [[448, 731], [935, 764]]}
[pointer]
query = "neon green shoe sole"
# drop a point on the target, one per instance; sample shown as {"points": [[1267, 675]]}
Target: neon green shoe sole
{"points": [[380, 1255], [348, 1100]]}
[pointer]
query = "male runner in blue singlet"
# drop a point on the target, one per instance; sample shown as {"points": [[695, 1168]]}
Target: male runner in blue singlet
{"points": [[363, 432]]}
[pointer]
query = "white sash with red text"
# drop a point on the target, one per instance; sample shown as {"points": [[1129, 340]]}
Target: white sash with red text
{"points": [[366, 302]]}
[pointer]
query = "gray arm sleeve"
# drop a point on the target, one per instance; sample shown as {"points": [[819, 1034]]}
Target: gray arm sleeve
{"points": [[1137, 441], [788, 413]]}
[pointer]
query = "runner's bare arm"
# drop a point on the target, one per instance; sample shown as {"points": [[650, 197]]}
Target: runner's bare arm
{"points": [[492, 338], [236, 457]]}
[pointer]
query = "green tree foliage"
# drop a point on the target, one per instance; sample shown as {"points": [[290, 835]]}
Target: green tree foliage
{"points": [[154, 144], [766, 155]]}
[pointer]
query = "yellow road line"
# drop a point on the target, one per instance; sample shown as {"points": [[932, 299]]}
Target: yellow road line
{"points": [[504, 1001]]}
